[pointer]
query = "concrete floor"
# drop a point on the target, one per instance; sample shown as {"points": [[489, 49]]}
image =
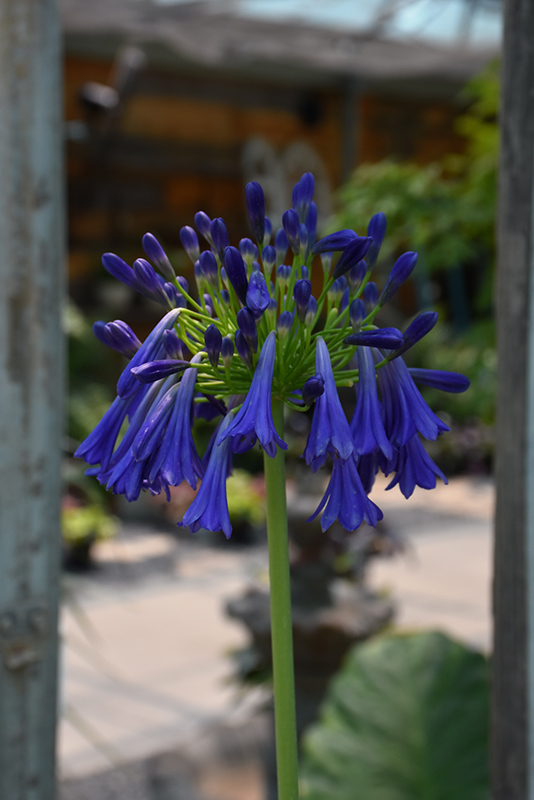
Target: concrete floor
{"points": [[145, 666]]}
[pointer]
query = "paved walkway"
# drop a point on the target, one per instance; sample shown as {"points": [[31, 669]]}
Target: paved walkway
{"points": [[146, 641]]}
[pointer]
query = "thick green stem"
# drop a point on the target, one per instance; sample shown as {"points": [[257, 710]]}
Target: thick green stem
{"points": [[281, 626]]}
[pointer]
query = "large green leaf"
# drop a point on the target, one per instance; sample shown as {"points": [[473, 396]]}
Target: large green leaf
{"points": [[405, 719]]}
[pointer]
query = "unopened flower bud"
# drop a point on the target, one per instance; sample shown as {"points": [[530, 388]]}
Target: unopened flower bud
{"points": [[255, 201], [312, 389], [281, 245], [158, 256], [203, 223], [370, 296], [227, 351], [213, 342], [291, 224], [284, 324], [219, 237], [189, 240]]}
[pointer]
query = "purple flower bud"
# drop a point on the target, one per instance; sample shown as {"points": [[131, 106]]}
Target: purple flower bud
{"points": [[257, 294], [120, 270], [183, 283], [301, 293], [312, 389], [208, 265], [176, 300], [225, 296], [388, 338], [344, 300], [377, 230], [268, 258], [290, 221], [302, 195], [203, 223], [281, 245], [285, 323], [303, 239], [155, 370], [283, 274], [174, 347], [243, 349], [311, 224], [402, 269], [334, 241], [208, 302], [335, 293], [158, 256], [357, 314], [219, 236], [268, 230], [326, 262], [227, 351], [356, 275], [119, 336], [453, 382], [419, 327], [236, 272], [249, 251], [311, 311], [199, 276], [189, 240], [247, 326], [256, 210], [213, 342], [272, 309], [148, 279], [353, 252], [256, 267], [304, 271], [370, 296]]}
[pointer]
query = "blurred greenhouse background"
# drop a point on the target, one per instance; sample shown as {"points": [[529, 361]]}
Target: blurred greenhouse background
{"points": [[170, 108]]}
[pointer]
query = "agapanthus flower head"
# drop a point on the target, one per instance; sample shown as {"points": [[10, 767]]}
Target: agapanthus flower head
{"points": [[255, 335]]}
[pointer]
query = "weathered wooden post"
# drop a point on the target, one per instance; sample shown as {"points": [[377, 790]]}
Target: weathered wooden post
{"points": [[31, 389], [512, 754]]}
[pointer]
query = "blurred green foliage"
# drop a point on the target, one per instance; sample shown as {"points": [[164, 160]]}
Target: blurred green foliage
{"points": [[446, 211]]}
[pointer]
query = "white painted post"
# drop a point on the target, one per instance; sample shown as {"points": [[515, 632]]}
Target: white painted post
{"points": [[31, 390]]}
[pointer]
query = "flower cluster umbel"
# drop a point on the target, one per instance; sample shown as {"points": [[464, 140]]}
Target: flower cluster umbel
{"points": [[254, 332]]}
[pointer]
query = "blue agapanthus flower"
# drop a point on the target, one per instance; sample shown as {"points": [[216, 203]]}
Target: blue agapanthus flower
{"points": [[265, 324]]}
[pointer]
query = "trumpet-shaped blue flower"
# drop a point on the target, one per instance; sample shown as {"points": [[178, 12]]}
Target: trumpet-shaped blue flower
{"points": [[366, 425], [255, 418], [209, 509], [345, 499], [404, 409], [413, 467], [330, 431]]}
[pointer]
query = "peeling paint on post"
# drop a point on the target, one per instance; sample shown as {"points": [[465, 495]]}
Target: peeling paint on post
{"points": [[31, 389]]}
